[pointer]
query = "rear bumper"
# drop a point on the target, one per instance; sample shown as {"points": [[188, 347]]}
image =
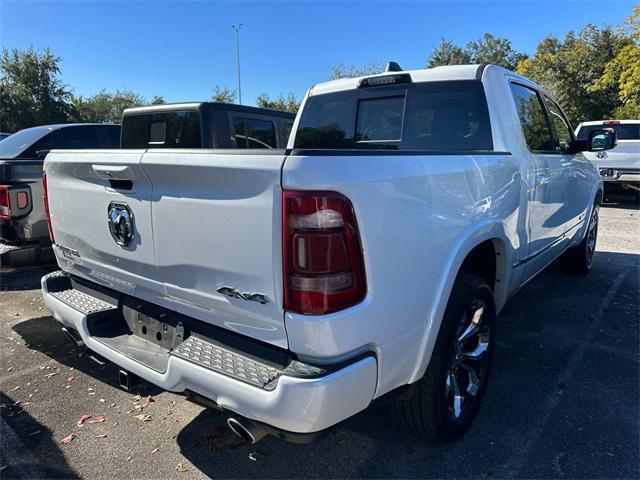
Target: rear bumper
{"points": [[296, 403], [21, 255]]}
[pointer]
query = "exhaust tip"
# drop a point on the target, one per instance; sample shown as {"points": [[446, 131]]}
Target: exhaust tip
{"points": [[245, 429], [74, 336], [127, 380]]}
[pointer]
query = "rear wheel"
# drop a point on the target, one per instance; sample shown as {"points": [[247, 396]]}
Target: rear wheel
{"points": [[444, 402], [579, 259]]}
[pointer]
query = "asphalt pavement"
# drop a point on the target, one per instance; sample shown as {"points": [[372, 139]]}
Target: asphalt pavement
{"points": [[563, 400]]}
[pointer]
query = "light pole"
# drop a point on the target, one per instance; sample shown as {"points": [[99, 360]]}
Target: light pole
{"points": [[236, 28]]}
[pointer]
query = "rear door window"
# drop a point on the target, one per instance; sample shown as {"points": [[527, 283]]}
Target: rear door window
{"points": [[533, 120], [559, 124], [430, 116], [253, 133]]}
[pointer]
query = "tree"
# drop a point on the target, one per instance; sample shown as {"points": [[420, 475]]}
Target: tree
{"points": [[448, 53], [570, 70], [105, 107], [351, 71], [494, 50], [288, 103], [157, 100], [487, 49], [31, 91], [622, 73], [224, 95]]}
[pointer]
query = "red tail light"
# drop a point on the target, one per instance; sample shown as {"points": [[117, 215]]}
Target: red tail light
{"points": [[322, 256], [46, 205], [5, 203]]}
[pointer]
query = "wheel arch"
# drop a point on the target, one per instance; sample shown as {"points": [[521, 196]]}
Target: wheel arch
{"points": [[473, 250]]}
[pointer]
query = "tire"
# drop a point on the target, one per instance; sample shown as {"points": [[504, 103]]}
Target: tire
{"points": [[429, 409], [578, 260]]}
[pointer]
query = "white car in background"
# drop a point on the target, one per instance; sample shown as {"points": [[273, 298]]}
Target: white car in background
{"points": [[620, 166]]}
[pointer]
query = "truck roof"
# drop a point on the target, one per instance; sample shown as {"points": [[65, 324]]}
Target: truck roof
{"points": [[199, 105], [445, 72]]}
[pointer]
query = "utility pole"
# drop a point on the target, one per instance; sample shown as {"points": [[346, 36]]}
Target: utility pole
{"points": [[236, 28]]}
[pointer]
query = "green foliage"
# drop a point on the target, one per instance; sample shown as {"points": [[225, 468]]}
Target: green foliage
{"points": [[223, 95], [571, 70], [488, 49], [351, 71], [105, 107], [622, 73], [157, 100], [288, 103], [448, 53], [31, 91]]}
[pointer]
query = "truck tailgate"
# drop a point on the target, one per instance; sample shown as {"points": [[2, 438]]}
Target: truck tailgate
{"points": [[206, 231], [80, 197], [217, 225]]}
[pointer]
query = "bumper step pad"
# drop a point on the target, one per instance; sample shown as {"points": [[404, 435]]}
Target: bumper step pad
{"points": [[82, 302], [213, 357]]}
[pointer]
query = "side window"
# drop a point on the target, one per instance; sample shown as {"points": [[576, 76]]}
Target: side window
{"points": [[77, 138], [287, 126], [111, 137], [559, 123], [254, 133], [532, 118]]}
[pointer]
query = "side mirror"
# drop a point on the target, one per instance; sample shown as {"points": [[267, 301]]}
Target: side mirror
{"points": [[41, 153], [602, 139]]}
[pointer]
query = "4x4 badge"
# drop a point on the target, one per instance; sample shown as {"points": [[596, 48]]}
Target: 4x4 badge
{"points": [[252, 297], [121, 223]]}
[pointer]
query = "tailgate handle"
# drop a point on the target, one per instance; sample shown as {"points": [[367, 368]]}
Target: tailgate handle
{"points": [[112, 172]]}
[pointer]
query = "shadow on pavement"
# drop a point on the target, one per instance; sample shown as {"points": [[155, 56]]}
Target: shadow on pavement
{"points": [[44, 334], [15, 448], [562, 400]]}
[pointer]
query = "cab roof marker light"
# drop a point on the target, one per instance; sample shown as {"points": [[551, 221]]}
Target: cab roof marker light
{"points": [[384, 80], [611, 122]]}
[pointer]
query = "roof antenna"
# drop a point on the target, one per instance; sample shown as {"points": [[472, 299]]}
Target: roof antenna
{"points": [[393, 67]]}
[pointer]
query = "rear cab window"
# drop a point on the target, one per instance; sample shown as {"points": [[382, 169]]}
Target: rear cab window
{"points": [[168, 129], [427, 116]]}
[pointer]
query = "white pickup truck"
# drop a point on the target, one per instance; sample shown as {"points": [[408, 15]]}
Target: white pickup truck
{"points": [[291, 288], [620, 167]]}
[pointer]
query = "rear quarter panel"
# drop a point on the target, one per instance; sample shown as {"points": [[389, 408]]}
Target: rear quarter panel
{"points": [[418, 217]]}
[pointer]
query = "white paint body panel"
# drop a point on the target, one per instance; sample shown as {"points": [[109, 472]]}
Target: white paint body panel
{"points": [[215, 219]]}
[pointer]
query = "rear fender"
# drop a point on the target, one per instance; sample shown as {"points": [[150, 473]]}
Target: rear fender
{"points": [[505, 277]]}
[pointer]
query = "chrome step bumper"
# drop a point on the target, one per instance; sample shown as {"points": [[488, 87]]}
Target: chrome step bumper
{"points": [[294, 397]]}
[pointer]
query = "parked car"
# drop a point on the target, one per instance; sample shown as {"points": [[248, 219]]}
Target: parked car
{"points": [[291, 288], [24, 237], [4, 135], [620, 166], [206, 125]]}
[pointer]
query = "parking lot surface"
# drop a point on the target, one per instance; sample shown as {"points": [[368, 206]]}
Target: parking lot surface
{"points": [[563, 400]]}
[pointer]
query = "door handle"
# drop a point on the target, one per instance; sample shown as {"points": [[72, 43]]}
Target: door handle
{"points": [[112, 172]]}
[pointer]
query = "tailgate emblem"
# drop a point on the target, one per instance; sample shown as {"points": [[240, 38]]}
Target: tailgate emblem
{"points": [[602, 154], [121, 223]]}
